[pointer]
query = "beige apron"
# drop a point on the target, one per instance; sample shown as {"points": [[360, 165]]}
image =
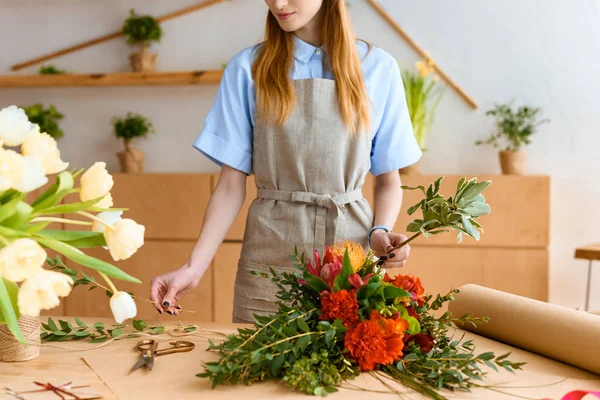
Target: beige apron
{"points": [[309, 176]]}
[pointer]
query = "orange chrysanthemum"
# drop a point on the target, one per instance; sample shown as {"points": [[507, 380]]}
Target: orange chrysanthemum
{"points": [[378, 341], [340, 305], [356, 253], [411, 284]]}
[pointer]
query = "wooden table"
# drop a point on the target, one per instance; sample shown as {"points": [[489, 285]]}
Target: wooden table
{"points": [[590, 253], [105, 369]]}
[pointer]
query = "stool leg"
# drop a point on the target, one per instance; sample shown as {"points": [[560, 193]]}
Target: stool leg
{"points": [[589, 282]]}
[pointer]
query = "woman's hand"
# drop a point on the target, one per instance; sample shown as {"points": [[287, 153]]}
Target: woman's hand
{"points": [[383, 244], [168, 289]]}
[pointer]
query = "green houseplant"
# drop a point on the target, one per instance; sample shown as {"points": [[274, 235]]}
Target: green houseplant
{"points": [[423, 95], [46, 119], [142, 30], [129, 128], [516, 127]]}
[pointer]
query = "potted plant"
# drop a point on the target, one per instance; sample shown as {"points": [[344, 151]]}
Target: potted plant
{"points": [[129, 128], [46, 119], [423, 95], [26, 286], [517, 127], [142, 30]]}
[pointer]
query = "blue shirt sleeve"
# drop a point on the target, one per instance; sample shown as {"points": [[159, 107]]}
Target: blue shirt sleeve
{"points": [[227, 135], [394, 145]]}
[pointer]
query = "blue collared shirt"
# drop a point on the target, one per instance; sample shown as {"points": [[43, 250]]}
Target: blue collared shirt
{"points": [[227, 135]]}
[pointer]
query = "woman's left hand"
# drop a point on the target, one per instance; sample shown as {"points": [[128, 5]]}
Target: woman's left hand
{"points": [[383, 244]]}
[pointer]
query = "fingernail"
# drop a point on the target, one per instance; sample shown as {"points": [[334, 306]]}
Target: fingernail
{"points": [[169, 312], [178, 307], [159, 311], [383, 258], [392, 255], [166, 304]]}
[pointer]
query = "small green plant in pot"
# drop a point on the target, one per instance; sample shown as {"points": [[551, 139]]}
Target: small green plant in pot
{"points": [[516, 127], [46, 119], [142, 31], [131, 127], [423, 95]]}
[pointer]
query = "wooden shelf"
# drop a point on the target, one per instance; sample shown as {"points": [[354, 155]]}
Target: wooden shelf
{"points": [[113, 79]]}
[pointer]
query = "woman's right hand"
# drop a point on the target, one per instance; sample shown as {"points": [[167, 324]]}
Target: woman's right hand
{"points": [[166, 290]]}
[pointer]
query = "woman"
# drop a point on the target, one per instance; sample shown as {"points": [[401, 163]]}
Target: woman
{"points": [[310, 111]]}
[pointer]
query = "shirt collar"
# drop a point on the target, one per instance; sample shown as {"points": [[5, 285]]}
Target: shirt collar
{"points": [[303, 51]]}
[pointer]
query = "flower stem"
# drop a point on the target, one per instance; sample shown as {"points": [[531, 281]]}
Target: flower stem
{"points": [[110, 284], [94, 218], [63, 220], [407, 241]]}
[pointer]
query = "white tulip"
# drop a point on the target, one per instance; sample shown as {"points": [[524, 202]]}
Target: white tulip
{"points": [[14, 126], [42, 292], [44, 147], [21, 259], [97, 182], [124, 239], [12, 169], [122, 306], [108, 217], [34, 176]]}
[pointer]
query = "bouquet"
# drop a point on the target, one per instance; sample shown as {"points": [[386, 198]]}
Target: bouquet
{"points": [[342, 314], [26, 287]]}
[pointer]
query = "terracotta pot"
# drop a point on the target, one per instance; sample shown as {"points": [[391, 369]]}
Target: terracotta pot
{"points": [[132, 161], [13, 351], [143, 60], [513, 162], [414, 169]]}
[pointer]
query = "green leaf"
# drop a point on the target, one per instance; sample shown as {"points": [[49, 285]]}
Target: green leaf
{"points": [[486, 356], [78, 239], [99, 326], [314, 282], [82, 333], [59, 333], [414, 326], [20, 217], [80, 322], [474, 190], [414, 208], [66, 326], [79, 257], [414, 226], [469, 228], [139, 325], [460, 184], [329, 336], [277, 363], [55, 194], [341, 281], [436, 185], [72, 207], [392, 292], [116, 333], [99, 340], [367, 290], [133, 335], [255, 358], [477, 209], [157, 330], [420, 187], [9, 310], [303, 342], [302, 325], [9, 209]]}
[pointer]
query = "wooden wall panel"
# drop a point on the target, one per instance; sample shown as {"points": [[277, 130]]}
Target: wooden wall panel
{"points": [[522, 272], [170, 206], [225, 269], [154, 258], [520, 211]]}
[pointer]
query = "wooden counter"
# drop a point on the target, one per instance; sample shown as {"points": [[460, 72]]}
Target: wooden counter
{"points": [[106, 370], [512, 254]]}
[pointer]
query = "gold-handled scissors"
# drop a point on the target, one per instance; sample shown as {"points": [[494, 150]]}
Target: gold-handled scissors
{"points": [[149, 350]]}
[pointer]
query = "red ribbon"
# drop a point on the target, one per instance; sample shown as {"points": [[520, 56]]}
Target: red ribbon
{"points": [[58, 390], [578, 395]]}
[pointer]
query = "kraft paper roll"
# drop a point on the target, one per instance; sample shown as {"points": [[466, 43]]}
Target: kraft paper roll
{"points": [[556, 332]]}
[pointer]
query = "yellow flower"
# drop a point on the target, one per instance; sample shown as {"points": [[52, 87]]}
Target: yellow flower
{"points": [[356, 253], [14, 125], [21, 260], [44, 147], [12, 169], [41, 292], [97, 182], [124, 239]]}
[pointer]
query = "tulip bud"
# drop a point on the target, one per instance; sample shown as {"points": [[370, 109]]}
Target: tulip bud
{"points": [[122, 306]]}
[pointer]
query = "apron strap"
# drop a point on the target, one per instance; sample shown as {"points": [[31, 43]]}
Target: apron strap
{"points": [[327, 205]]}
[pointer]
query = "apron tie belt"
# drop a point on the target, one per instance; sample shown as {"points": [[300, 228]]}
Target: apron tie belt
{"points": [[327, 205]]}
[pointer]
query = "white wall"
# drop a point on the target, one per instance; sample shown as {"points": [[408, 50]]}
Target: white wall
{"points": [[539, 52]]}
